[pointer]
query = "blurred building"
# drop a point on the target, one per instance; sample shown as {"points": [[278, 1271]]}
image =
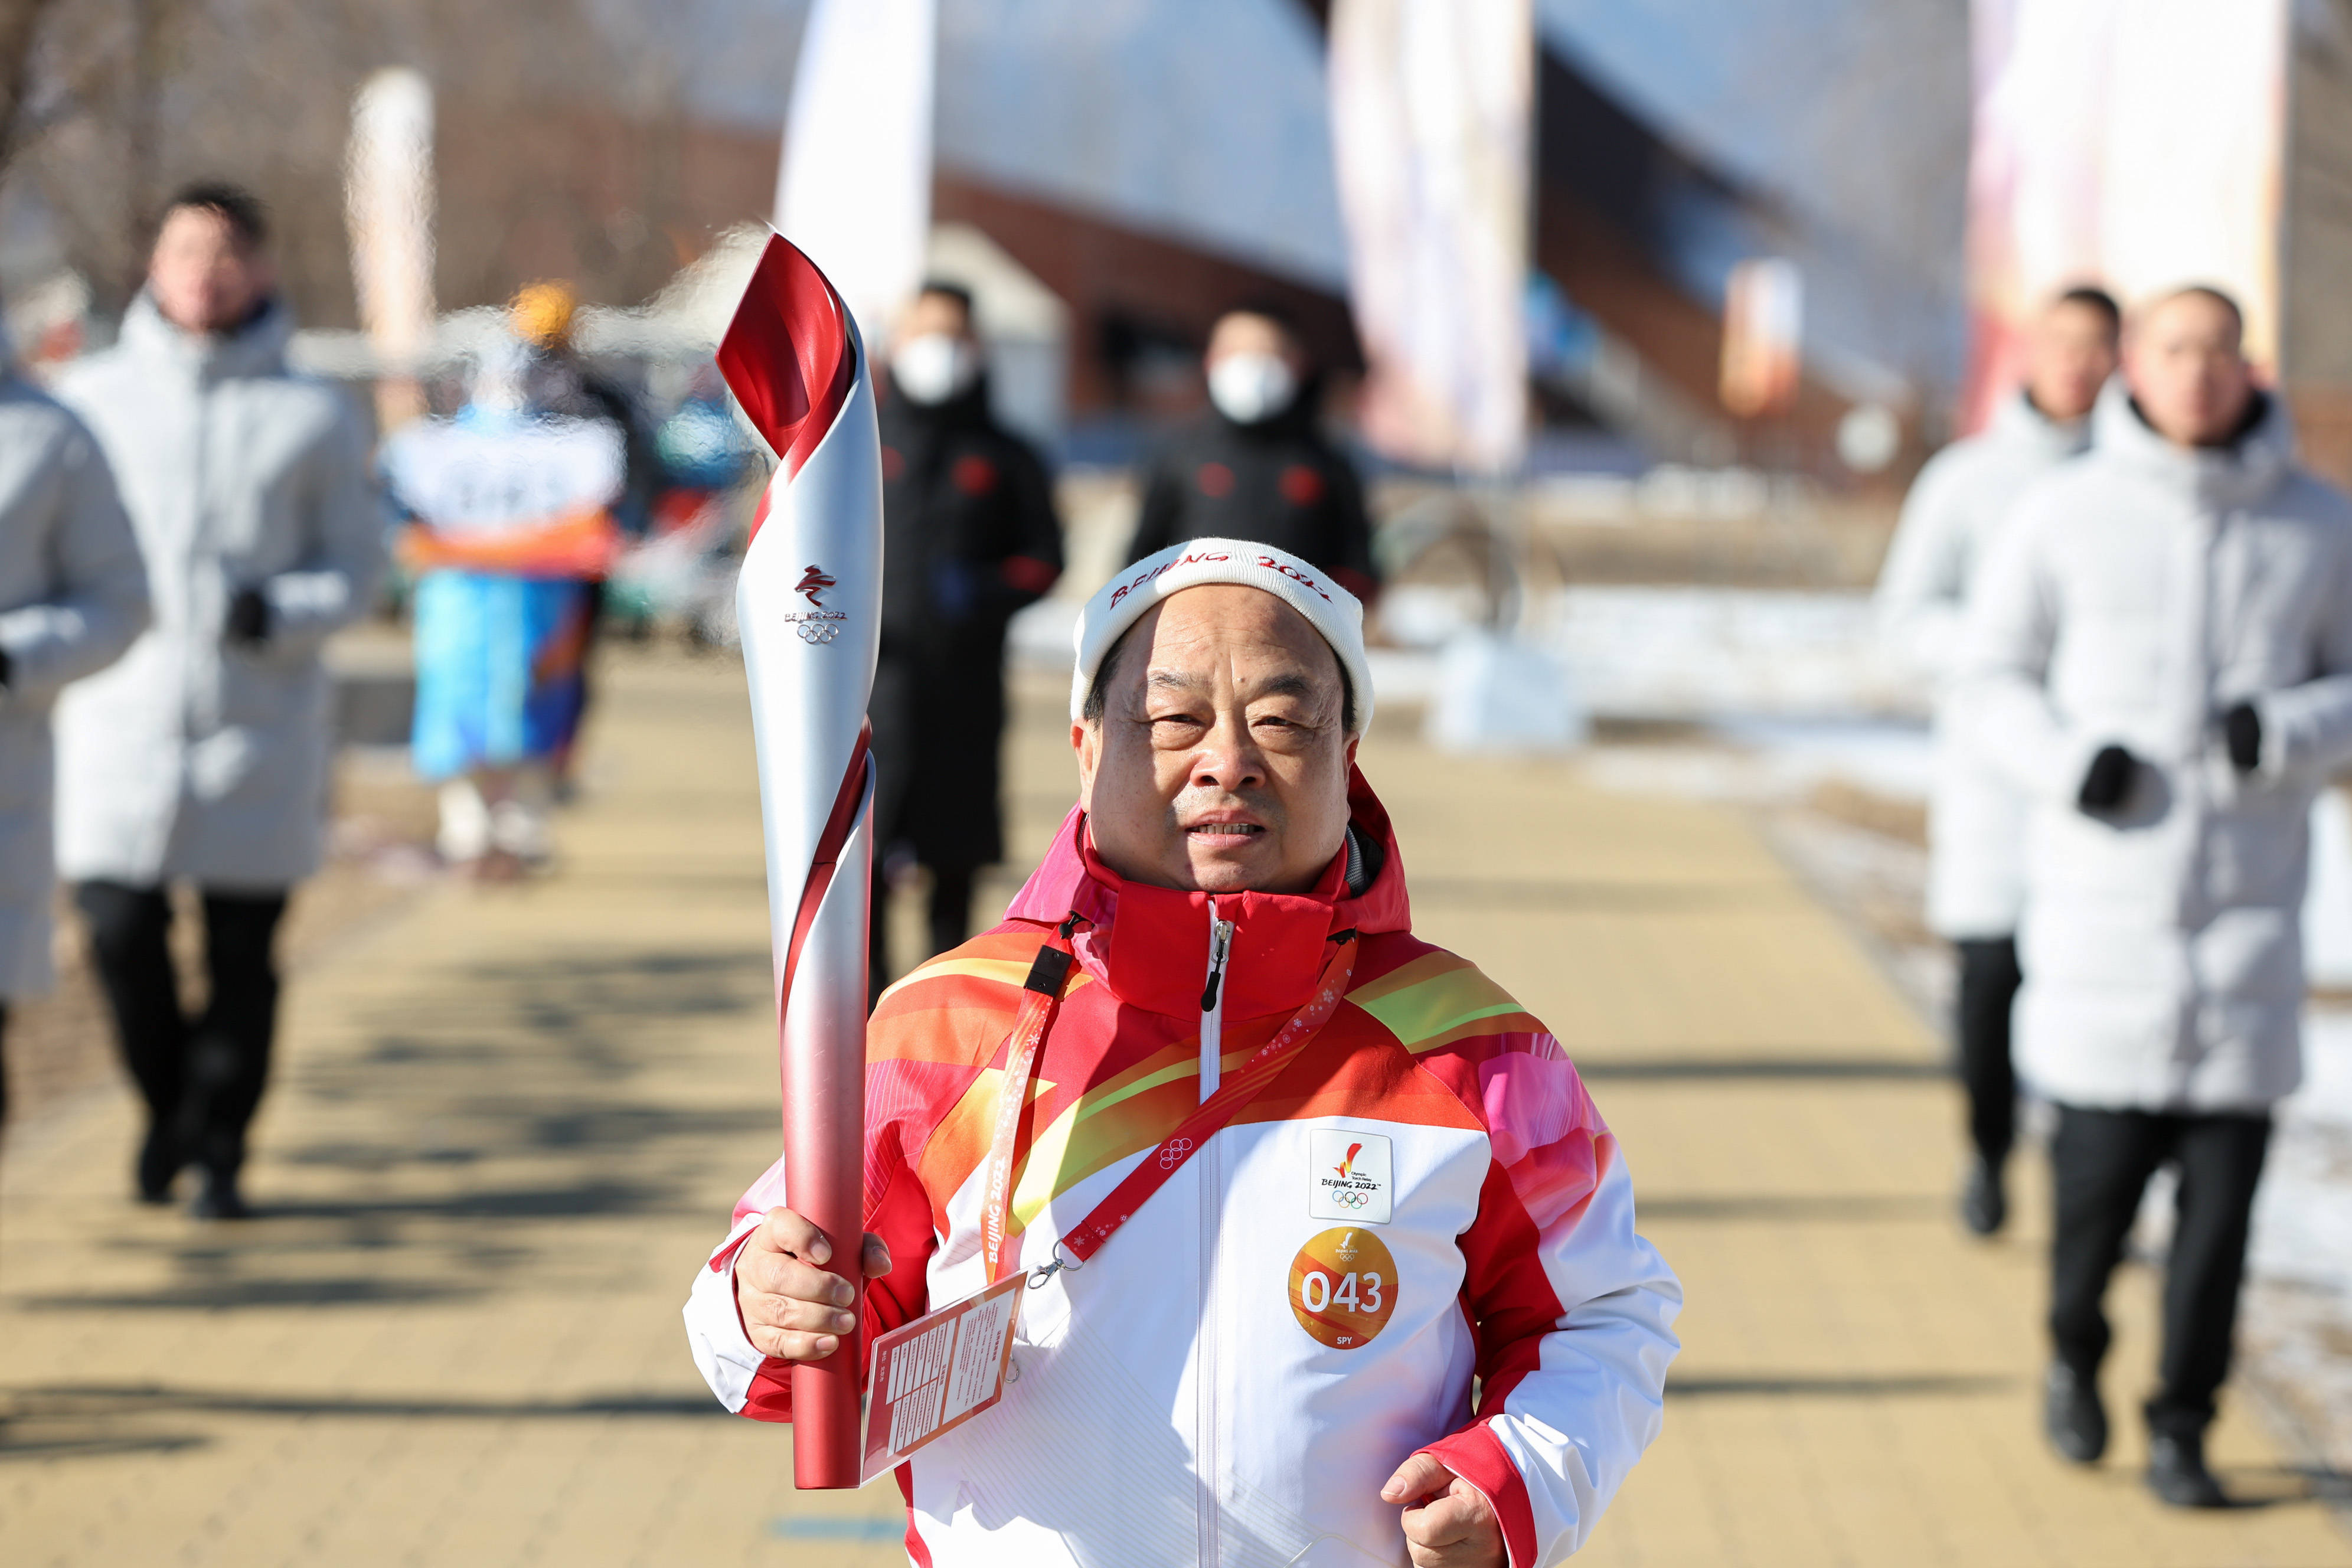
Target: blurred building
{"points": [[2315, 339], [1145, 166]]}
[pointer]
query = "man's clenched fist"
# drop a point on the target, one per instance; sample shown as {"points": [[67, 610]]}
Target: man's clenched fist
{"points": [[793, 1310], [1447, 1524]]}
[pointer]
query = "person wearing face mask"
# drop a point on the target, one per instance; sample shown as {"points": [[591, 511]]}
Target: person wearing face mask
{"points": [[1256, 466], [1976, 819], [2160, 654], [201, 755], [970, 536]]}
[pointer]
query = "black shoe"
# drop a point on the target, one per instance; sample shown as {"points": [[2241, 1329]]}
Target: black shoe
{"points": [[159, 1164], [2071, 1415], [1984, 1203], [220, 1199], [2176, 1472]]}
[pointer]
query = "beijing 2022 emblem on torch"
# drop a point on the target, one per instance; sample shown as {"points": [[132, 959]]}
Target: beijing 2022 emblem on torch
{"points": [[809, 603]]}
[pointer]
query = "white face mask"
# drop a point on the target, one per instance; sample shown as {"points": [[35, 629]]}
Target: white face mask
{"points": [[1250, 387], [934, 367]]}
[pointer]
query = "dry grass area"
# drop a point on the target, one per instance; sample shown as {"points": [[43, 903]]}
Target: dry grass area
{"points": [[1816, 549], [1820, 543], [1904, 821]]}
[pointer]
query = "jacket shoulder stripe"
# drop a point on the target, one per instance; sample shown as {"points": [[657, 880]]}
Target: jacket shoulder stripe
{"points": [[1008, 972], [1428, 1001]]}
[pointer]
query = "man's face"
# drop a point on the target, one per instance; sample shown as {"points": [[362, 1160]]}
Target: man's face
{"points": [[1242, 332], [2069, 357], [1220, 765], [2188, 371], [203, 276], [935, 315]]}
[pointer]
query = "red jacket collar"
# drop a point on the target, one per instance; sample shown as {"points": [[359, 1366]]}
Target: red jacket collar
{"points": [[1151, 944]]}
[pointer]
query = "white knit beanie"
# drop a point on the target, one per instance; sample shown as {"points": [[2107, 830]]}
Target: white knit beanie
{"points": [[1121, 602]]}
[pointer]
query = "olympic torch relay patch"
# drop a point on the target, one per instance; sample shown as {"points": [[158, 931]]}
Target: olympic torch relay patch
{"points": [[1343, 1287], [1347, 1175]]}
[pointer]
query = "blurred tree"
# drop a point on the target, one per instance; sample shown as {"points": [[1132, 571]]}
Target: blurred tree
{"points": [[559, 147], [20, 33]]}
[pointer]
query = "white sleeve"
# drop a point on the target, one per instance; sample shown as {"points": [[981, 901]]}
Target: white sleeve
{"points": [[2307, 728], [2004, 702], [1922, 588], [331, 588], [1570, 1405], [723, 1352], [98, 599]]}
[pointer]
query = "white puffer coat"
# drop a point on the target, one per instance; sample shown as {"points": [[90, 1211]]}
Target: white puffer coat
{"points": [[191, 757], [72, 596], [2138, 593], [1976, 817]]}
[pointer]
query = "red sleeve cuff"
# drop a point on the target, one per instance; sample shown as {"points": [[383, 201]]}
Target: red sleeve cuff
{"points": [[771, 1394], [1476, 1454]]}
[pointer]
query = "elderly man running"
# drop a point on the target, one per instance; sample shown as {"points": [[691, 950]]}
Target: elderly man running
{"points": [[1407, 1192], [2161, 651]]}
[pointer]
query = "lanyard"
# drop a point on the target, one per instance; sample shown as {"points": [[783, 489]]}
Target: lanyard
{"points": [[1041, 998], [1039, 1003]]}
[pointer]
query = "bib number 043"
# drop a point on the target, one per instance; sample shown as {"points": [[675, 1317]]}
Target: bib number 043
{"points": [[1343, 1287]]}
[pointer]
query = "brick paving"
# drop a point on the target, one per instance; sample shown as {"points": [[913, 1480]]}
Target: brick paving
{"points": [[509, 1122]]}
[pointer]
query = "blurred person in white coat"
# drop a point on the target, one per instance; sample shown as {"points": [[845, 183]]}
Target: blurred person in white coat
{"points": [[73, 594], [2160, 654], [1976, 818], [203, 755]]}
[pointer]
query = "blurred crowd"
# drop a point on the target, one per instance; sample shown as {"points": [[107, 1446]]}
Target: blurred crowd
{"points": [[2138, 608], [189, 521], [2135, 606]]}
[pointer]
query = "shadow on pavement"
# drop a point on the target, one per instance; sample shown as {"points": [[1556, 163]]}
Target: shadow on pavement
{"points": [[442, 1155], [226, 1295], [1798, 1206], [1672, 1069], [20, 1441], [1798, 1385], [87, 1400]]}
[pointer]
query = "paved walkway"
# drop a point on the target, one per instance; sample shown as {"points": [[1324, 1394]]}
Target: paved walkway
{"points": [[508, 1124]]}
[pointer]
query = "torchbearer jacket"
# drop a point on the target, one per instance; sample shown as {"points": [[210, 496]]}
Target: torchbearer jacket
{"points": [[1213, 1387]]}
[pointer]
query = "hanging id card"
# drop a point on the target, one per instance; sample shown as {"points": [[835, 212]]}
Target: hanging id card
{"points": [[933, 1375]]}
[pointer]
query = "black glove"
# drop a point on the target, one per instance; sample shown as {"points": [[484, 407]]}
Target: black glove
{"points": [[2108, 780], [248, 618], [6, 669], [2243, 727]]}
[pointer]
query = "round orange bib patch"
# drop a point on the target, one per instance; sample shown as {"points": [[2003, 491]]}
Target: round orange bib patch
{"points": [[1343, 1287]]}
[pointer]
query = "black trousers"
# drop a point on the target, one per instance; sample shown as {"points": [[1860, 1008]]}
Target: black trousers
{"points": [[1988, 983], [2100, 1164], [201, 1076], [950, 917]]}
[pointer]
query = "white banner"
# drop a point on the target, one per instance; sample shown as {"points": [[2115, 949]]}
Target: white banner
{"points": [[388, 213], [2135, 143], [855, 188], [1431, 106], [1763, 336]]}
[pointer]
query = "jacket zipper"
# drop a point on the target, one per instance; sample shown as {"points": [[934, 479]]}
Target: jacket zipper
{"points": [[1213, 1029]]}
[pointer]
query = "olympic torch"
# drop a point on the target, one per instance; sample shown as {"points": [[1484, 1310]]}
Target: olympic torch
{"points": [[809, 604]]}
